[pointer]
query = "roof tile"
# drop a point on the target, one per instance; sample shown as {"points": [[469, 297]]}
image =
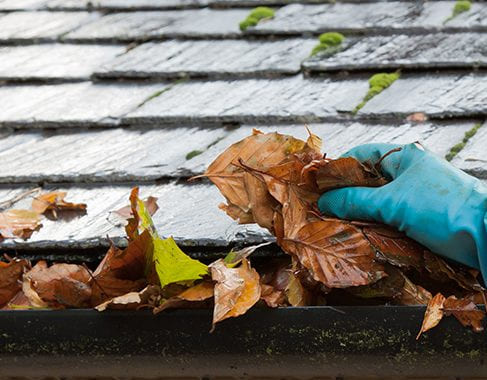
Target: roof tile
{"points": [[215, 58]]}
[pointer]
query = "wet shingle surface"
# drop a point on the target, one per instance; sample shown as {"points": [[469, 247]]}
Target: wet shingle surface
{"points": [[99, 96]]}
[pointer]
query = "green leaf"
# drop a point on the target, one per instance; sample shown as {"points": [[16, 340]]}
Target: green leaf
{"points": [[173, 265]]}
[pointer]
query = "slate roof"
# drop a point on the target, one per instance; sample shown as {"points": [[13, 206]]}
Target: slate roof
{"points": [[100, 95]]}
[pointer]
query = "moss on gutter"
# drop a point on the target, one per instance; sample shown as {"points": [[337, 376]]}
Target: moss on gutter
{"points": [[461, 6], [377, 84], [454, 150], [255, 16], [329, 42]]}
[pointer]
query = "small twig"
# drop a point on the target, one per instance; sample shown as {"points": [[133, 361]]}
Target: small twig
{"points": [[10, 202], [377, 165], [93, 278]]}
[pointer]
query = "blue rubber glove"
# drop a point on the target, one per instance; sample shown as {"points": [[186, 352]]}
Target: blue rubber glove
{"points": [[434, 203]]}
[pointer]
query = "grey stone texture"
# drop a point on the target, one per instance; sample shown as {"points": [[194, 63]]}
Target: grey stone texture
{"points": [[212, 58], [70, 104], [124, 5], [54, 61], [140, 26], [291, 99], [189, 213], [439, 96], [439, 50], [140, 155], [41, 26], [473, 157], [380, 17]]}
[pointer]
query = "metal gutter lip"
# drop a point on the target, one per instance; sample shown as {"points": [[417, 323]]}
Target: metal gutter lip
{"points": [[301, 342]]}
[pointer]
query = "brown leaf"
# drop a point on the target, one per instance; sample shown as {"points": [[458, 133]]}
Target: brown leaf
{"points": [[297, 294], [195, 294], [236, 289], [18, 223], [19, 301], [465, 311], [336, 254], [150, 205], [121, 271], [272, 297], [61, 285], [147, 297], [433, 315], [440, 270], [388, 287], [395, 247], [11, 278], [417, 117], [54, 201], [258, 151], [345, 172], [412, 294]]}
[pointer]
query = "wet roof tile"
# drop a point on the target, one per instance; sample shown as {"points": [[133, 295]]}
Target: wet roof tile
{"points": [[54, 61], [212, 58], [140, 26], [439, 50], [179, 203], [40, 26], [70, 104], [380, 17], [473, 156], [141, 155]]}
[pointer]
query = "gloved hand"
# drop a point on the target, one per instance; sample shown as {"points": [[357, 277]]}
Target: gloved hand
{"points": [[434, 203]]}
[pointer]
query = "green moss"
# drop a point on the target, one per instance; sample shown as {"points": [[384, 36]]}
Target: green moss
{"points": [[193, 154], [377, 84], [455, 149], [256, 15], [329, 42], [461, 6], [331, 38]]}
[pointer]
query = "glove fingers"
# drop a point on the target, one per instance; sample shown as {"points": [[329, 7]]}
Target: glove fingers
{"points": [[353, 203]]}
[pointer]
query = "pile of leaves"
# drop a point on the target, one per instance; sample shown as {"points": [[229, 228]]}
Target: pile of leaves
{"points": [[275, 180], [272, 180]]}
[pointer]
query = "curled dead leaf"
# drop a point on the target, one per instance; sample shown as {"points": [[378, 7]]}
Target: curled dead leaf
{"points": [[54, 202], [19, 223], [11, 278], [236, 289], [465, 311], [433, 314]]}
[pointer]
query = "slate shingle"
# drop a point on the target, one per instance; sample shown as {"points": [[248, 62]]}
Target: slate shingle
{"points": [[189, 213], [70, 104], [139, 155], [291, 99], [41, 26], [54, 61], [140, 26], [213, 58], [380, 17], [125, 5], [439, 96], [441, 50], [473, 157]]}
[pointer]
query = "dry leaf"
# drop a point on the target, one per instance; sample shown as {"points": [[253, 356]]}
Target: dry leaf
{"points": [[54, 201], [195, 294], [121, 271], [236, 289], [336, 254], [395, 247], [417, 117], [61, 285], [345, 172], [297, 294], [433, 315], [150, 205], [18, 223], [465, 311], [11, 278], [148, 297], [412, 294]]}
